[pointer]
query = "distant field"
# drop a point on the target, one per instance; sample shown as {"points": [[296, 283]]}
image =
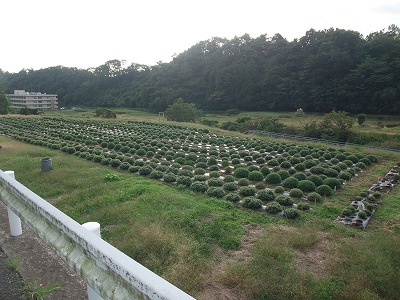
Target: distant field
{"points": [[213, 248], [377, 124]]}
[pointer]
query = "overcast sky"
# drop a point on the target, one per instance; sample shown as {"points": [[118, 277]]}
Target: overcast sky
{"points": [[86, 33]]}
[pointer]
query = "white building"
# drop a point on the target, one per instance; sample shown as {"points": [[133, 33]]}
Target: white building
{"points": [[22, 99]]}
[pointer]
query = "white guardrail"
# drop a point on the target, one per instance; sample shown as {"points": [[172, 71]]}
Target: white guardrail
{"points": [[108, 271]]}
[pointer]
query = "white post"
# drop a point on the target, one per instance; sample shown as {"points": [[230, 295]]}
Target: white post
{"points": [[95, 228], [13, 219]]}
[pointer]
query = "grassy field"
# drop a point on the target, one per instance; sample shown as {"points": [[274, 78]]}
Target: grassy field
{"points": [[213, 249]]}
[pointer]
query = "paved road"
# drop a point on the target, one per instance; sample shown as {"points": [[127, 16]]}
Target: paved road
{"points": [[38, 265]]}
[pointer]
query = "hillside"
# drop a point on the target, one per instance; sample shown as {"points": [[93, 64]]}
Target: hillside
{"points": [[323, 70]]}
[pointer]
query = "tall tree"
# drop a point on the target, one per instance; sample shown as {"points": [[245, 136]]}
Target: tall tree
{"points": [[4, 104]]}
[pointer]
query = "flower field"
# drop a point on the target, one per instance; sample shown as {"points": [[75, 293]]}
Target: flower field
{"points": [[276, 177]]}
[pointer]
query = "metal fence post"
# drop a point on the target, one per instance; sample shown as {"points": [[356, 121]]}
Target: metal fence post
{"points": [[13, 219], [95, 228]]}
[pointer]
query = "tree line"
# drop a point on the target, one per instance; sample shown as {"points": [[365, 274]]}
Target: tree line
{"points": [[321, 71]]}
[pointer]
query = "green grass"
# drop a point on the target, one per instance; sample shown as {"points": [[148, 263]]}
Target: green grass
{"points": [[203, 245]]}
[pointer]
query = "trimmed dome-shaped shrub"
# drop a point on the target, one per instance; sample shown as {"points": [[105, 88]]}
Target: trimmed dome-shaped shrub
{"points": [[292, 213], [299, 176], [273, 178], [229, 178], [247, 191], [345, 175], [284, 200], [233, 197], [273, 207], [170, 177], [184, 180], [230, 186], [284, 174], [199, 187], [290, 182], [265, 170], [215, 182], [279, 190], [303, 206], [241, 173], [124, 166], [330, 172], [266, 195], [243, 182], [333, 182], [256, 176], [314, 197], [316, 179], [252, 203], [145, 170], [216, 192], [156, 174], [199, 171], [324, 190], [306, 186], [214, 174], [296, 193]]}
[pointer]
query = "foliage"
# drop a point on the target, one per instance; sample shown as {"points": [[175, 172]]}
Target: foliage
{"points": [[252, 203], [180, 111], [4, 104], [292, 213], [361, 118], [105, 113], [273, 207]]}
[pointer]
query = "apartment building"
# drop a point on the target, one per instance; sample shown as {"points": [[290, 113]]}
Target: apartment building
{"points": [[22, 99]]}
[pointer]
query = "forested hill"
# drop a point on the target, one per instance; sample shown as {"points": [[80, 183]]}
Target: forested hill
{"points": [[323, 70]]}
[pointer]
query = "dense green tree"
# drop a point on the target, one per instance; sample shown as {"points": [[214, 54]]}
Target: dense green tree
{"points": [[182, 112], [4, 104], [336, 126]]}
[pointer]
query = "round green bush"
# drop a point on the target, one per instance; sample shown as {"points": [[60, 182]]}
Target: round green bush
{"points": [[247, 191], [290, 182], [324, 190], [230, 186], [333, 182], [330, 172], [233, 197], [306, 186], [303, 206], [199, 187], [273, 207], [256, 176], [317, 180], [317, 170], [199, 171], [133, 169], [284, 174], [241, 173], [184, 180], [314, 197], [273, 178], [170, 177], [273, 163], [214, 174], [265, 170], [284, 200], [345, 175], [156, 174], [292, 213], [145, 170], [299, 176], [229, 178], [266, 195], [252, 203], [243, 182], [279, 190], [216, 192], [215, 182], [296, 193]]}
